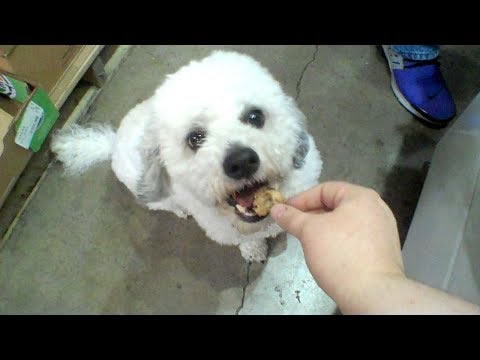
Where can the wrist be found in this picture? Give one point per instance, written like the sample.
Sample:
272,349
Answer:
367,294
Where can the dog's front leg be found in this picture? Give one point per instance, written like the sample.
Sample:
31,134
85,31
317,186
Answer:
169,204
254,250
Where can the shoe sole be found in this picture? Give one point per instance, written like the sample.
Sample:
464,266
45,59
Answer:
404,102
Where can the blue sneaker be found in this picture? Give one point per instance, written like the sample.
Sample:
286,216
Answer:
421,88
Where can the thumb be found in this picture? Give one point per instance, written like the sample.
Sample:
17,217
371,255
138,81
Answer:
289,218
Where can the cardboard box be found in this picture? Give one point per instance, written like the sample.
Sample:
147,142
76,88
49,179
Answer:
42,64
22,131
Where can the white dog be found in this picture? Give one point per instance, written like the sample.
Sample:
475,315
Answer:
212,134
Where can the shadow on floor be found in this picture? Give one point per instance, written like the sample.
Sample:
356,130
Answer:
177,264
461,68
404,181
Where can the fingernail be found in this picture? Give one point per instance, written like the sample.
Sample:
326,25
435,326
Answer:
277,211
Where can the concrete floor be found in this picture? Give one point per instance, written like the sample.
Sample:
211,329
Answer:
84,247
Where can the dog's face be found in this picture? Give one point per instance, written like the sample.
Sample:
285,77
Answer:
224,127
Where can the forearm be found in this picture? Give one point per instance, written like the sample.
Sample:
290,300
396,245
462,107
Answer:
400,295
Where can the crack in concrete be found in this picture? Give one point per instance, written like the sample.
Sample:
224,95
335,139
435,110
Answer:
299,81
244,289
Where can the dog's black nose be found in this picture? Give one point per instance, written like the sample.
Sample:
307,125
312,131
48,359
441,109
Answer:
241,162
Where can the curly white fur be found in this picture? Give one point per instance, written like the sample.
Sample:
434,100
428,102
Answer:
149,152
79,148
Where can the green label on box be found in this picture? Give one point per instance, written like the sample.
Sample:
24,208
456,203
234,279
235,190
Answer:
14,89
36,121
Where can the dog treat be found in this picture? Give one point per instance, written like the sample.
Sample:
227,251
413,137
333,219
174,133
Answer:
264,199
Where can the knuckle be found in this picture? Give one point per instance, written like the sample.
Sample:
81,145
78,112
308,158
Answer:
372,194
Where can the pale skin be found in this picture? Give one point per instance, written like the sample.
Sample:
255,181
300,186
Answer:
352,248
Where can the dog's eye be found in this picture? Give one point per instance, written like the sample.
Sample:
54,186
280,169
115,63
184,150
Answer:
254,117
196,138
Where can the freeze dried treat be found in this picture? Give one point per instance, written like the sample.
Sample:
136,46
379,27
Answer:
264,199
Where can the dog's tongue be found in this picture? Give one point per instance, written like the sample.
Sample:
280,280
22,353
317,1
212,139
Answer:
245,198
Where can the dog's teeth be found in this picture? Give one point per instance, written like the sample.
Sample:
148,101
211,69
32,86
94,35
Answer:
242,209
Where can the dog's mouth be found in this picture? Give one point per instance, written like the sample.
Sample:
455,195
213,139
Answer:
242,201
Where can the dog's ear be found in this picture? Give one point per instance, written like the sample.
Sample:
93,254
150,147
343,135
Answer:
154,183
301,151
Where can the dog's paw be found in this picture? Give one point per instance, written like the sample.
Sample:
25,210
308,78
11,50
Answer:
255,251
181,214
